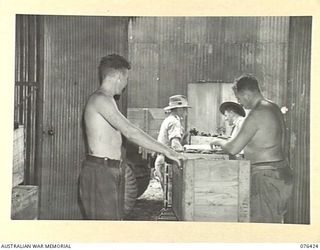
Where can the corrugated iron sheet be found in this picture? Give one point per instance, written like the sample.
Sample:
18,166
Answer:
271,68
73,46
273,29
176,66
144,81
210,49
170,29
298,117
241,29
195,30
26,87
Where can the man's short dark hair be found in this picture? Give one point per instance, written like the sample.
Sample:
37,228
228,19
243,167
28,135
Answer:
111,63
246,82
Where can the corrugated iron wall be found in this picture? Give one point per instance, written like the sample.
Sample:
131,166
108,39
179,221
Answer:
167,53
298,117
218,49
27,86
73,47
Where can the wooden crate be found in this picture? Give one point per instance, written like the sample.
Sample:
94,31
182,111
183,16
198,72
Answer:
24,202
18,156
147,119
201,140
211,189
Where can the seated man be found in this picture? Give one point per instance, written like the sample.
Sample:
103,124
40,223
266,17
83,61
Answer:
234,115
262,136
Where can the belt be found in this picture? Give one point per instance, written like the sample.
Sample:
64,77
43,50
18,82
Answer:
101,160
272,165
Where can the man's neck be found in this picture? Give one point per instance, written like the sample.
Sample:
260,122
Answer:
107,88
256,100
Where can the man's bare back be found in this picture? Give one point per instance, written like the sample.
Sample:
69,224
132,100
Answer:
103,139
266,144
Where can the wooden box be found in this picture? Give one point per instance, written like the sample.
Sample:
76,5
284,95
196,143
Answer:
24,202
201,140
147,119
18,156
209,188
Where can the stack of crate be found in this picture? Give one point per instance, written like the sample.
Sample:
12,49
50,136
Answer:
24,200
147,119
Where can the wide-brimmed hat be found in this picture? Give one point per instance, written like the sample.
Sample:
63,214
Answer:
177,101
233,106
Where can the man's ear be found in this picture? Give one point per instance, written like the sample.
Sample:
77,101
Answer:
118,76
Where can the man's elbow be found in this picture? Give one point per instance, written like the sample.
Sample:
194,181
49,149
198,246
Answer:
230,149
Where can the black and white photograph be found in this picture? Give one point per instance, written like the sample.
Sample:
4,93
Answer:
169,120
162,118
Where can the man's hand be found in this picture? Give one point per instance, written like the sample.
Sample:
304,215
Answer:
185,138
216,142
176,145
177,157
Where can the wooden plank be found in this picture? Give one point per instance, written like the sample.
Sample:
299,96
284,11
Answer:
177,176
216,213
24,202
18,156
204,98
188,187
217,171
216,193
244,191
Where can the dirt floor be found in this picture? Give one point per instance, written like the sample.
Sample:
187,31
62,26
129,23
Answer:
149,206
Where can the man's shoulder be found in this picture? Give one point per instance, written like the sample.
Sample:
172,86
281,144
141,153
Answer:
267,107
171,119
98,98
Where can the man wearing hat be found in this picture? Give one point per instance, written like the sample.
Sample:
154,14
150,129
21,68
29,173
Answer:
172,130
234,115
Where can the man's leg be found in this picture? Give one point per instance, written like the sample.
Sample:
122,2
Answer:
269,196
101,192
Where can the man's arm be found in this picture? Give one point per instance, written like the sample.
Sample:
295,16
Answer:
176,144
174,134
107,108
245,134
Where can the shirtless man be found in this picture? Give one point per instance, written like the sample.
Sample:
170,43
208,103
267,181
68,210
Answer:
262,136
101,181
